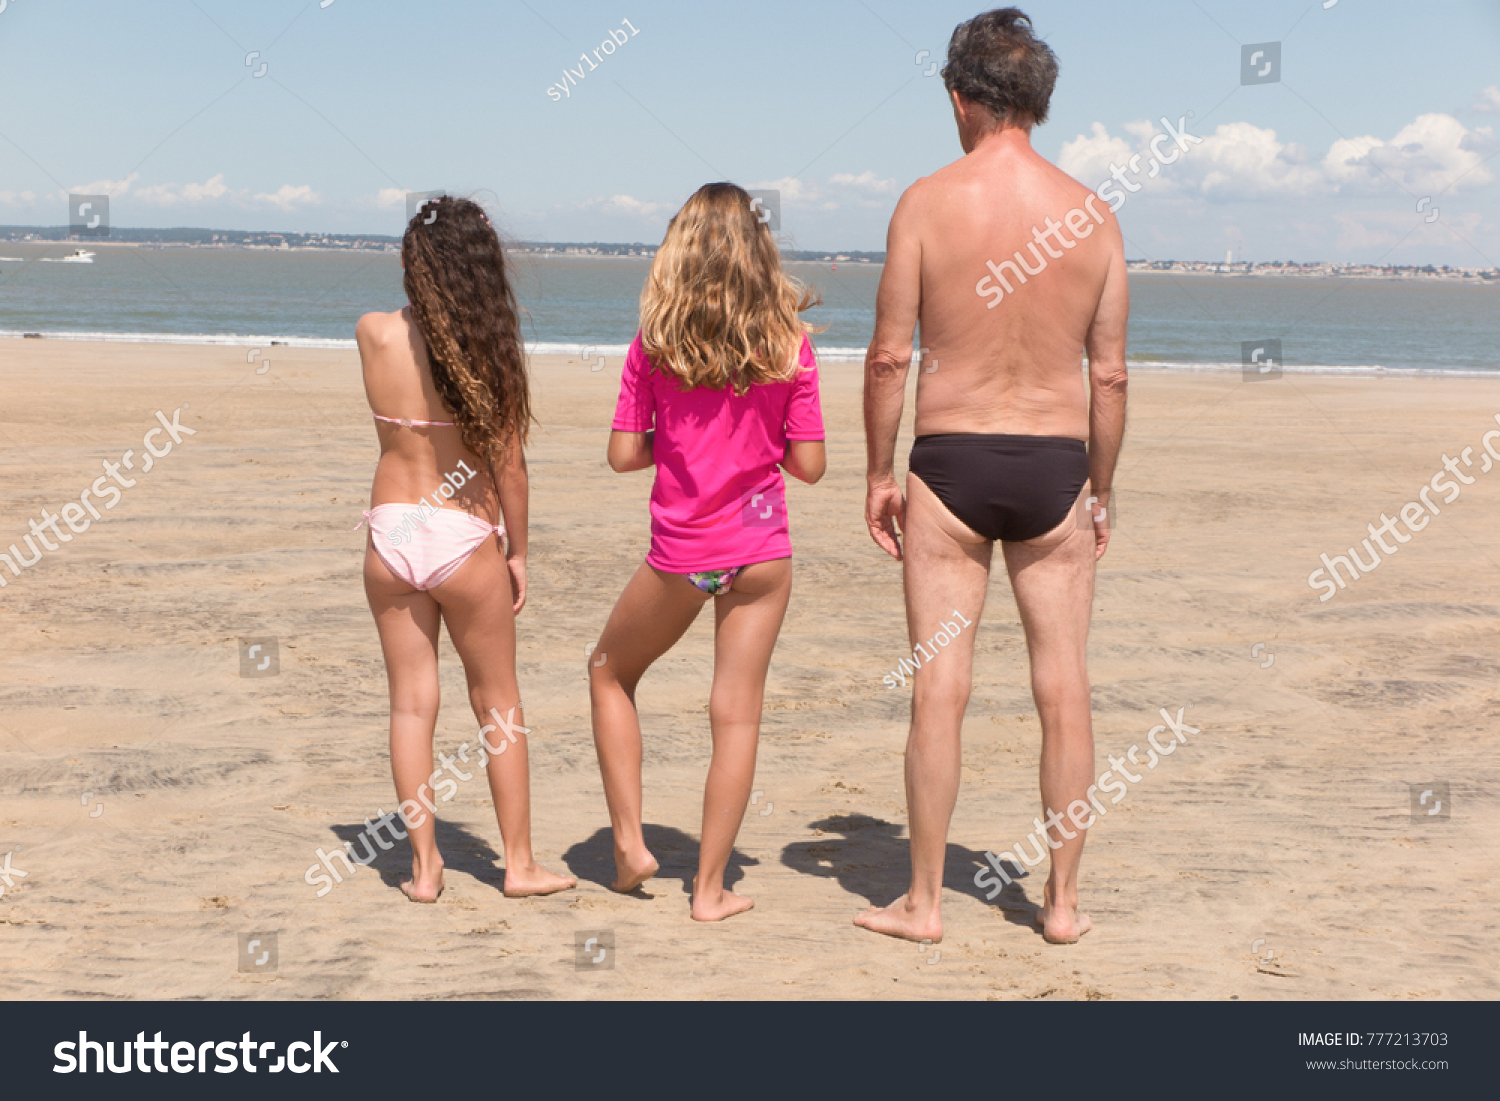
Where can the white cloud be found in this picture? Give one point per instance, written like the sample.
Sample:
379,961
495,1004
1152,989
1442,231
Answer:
866,183
172,194
105,187
1088,156
1393,230
288,197
1431,153
18,198
1488,102
1240,160
793,191
865,189
627,206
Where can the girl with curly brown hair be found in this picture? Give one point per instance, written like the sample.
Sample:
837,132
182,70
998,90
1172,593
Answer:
446,380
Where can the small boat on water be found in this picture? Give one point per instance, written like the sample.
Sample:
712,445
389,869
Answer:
77,256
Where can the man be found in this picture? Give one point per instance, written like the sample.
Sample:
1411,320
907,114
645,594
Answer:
1014,270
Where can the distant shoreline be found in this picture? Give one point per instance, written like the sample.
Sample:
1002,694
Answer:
594,251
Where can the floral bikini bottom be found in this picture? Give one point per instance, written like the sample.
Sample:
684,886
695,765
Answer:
715,582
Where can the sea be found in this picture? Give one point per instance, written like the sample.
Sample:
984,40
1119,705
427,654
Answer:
574,303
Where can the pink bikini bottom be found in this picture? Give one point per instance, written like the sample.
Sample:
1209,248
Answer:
424,546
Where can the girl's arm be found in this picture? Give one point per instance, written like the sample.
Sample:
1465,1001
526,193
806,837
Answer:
805,459
515,490
630,451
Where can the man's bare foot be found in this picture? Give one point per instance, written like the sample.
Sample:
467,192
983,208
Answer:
420,890
902,919
533,879
718,907
631,872
1062,924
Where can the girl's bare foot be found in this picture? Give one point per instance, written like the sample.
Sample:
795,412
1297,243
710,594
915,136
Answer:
904,919
1062,924
718,906
424,886
533,879
632,871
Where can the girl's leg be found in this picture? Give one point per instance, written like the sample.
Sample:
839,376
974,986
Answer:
652,613
408,624
476,604
748,619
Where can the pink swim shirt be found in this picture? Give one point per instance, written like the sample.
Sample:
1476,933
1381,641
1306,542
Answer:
719,500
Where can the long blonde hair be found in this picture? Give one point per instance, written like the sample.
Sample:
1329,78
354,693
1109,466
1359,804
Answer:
717,310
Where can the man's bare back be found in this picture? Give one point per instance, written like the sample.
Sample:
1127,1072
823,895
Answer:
998,361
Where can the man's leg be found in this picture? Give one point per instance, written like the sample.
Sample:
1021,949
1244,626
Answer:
1053,579
947,570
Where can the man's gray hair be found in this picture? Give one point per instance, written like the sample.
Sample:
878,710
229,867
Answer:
997,62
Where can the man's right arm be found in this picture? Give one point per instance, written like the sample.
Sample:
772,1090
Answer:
1107,384
897,305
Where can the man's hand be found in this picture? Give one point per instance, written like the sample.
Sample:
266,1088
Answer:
885,513
517,567
1102,522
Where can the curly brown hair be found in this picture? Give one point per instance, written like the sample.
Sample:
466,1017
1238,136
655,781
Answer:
462,302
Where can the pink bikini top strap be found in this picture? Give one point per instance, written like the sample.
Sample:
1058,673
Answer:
407,422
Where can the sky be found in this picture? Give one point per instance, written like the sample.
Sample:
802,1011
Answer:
1374,141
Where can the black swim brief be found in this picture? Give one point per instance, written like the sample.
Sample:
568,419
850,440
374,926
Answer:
1004,487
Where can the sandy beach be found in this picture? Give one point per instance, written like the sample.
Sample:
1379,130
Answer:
161,805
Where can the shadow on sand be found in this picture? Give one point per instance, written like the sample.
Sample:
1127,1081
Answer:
871,859
462,851
593,860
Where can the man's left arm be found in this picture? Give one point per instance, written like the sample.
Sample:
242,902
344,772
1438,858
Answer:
897,305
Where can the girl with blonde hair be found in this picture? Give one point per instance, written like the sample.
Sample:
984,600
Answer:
720,394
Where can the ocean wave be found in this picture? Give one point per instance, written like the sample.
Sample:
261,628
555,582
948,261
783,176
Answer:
828,354
589,350
231,340
1320,369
